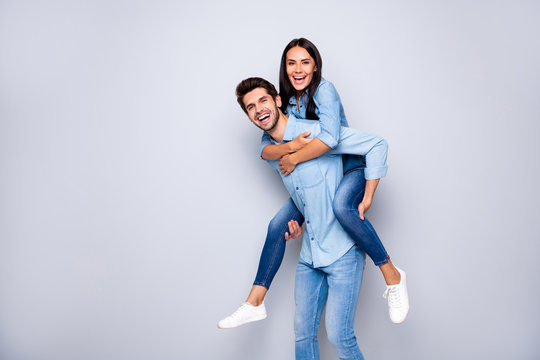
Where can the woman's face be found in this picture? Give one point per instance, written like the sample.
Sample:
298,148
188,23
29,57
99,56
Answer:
300,67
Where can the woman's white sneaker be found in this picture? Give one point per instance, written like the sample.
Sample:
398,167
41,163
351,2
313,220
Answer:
246,313
398,299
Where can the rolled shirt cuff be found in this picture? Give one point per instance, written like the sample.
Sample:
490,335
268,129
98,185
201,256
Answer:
327,139
375,173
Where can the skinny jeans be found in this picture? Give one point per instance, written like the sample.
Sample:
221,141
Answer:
349,194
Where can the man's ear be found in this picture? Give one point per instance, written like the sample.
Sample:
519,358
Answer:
278,101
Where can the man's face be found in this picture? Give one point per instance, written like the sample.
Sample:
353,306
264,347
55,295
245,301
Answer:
261,109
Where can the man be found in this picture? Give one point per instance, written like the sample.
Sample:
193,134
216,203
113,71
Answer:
330,267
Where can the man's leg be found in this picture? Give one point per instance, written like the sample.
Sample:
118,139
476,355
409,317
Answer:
344,281
310,293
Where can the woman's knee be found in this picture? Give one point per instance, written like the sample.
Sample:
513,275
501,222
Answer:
276,226
340,207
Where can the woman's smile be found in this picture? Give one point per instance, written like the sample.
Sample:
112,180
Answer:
300,67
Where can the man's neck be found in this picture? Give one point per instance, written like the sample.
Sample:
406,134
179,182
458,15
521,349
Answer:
278,131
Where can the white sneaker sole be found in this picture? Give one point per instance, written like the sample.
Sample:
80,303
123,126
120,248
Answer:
257,318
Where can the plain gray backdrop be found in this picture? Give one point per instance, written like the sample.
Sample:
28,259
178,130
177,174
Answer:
133,203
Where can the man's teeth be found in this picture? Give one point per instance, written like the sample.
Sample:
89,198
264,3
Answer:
263,117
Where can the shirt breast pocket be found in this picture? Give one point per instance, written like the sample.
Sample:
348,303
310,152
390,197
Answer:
310,174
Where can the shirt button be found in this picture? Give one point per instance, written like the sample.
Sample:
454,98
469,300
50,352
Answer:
308,221
311,239
297,188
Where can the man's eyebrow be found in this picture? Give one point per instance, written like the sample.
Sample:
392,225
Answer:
259,99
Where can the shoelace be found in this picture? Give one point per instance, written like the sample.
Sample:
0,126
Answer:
393,295
239,310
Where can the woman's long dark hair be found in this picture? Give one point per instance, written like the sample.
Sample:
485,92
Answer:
286,90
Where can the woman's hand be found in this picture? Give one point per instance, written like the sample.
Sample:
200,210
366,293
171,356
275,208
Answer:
287,164
294,229
300,141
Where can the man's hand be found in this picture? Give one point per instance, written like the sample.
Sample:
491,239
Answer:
363,207
300,141
287,164
294,229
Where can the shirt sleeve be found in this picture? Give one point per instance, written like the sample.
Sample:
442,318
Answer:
265,140
373,147
328,103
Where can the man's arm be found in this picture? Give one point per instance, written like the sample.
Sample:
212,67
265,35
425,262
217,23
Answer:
373,147
363,207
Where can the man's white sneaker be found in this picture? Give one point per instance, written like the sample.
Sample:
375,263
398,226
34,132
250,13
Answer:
398,299
244,314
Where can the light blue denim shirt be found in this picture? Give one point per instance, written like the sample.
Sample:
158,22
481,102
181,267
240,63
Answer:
313,185
329,109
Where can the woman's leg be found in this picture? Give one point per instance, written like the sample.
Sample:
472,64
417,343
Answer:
348,195
310,293
344,280
272,255
273,250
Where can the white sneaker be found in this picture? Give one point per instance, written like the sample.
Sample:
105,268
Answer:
398,299
246,313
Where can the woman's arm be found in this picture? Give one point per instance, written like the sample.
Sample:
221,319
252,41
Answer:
277,151
328,103
312,150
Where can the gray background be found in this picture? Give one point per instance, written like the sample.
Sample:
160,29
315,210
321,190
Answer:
133,205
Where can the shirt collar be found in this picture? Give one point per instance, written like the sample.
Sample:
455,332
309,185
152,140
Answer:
303,98
288,135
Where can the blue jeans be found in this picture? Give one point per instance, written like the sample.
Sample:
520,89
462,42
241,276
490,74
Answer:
348,195
336,286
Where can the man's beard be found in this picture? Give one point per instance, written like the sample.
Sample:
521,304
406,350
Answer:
275,119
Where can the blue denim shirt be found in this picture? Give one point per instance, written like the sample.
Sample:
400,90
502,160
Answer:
313,184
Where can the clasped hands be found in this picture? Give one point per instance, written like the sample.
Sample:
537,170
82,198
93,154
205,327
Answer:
287,163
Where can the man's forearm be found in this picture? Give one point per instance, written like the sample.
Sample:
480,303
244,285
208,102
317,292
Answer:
371,186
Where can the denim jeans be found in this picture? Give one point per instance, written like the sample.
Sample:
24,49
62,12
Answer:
348,195
336,286
274,246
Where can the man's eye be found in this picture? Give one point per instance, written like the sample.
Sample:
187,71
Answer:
264,100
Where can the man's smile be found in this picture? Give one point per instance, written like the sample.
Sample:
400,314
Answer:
264,117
